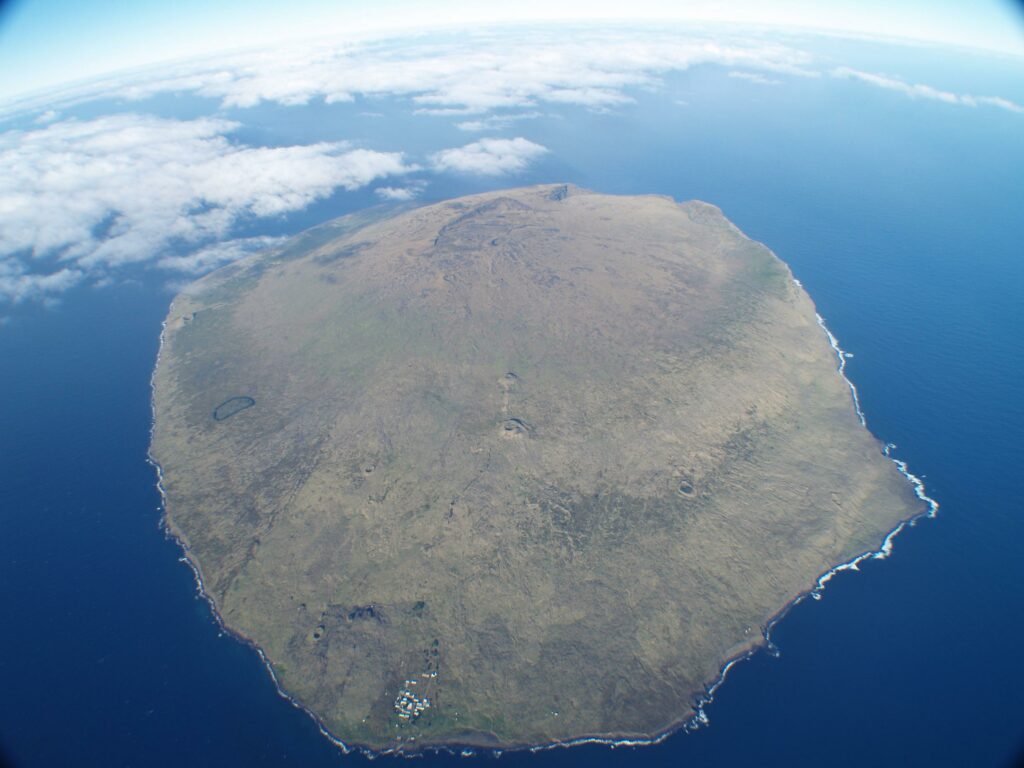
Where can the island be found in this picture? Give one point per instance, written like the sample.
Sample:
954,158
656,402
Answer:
519,469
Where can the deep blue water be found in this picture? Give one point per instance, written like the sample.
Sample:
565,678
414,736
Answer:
903,220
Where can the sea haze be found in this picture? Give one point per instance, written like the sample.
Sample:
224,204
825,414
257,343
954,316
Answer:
901,217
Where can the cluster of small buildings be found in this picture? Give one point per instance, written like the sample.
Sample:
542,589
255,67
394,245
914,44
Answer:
409,704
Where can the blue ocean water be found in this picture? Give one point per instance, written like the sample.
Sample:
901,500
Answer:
903,220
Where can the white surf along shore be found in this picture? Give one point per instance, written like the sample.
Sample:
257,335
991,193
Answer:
698,719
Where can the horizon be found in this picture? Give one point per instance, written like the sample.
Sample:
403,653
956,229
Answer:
98,40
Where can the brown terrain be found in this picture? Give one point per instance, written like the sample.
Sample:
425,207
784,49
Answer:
512,469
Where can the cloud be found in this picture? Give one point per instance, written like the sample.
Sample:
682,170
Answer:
473,72
490,157
921,91
127,188
78,198
495,122
217,254
400,194
999,101
16,285
754,77
473,125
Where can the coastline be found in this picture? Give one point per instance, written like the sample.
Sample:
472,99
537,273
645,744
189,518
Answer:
172,533
689,723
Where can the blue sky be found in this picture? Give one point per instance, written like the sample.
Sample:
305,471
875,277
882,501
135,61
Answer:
48,42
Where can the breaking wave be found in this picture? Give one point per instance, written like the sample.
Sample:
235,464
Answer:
699,719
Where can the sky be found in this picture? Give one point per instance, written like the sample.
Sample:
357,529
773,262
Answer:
45,43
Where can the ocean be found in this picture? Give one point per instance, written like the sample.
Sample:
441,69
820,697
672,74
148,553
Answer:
903,219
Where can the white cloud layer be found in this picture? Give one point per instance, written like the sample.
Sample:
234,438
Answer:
754,77
400,194
78,198
496,122
920,91
488,157
127,188
17,285
463,74
217,254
